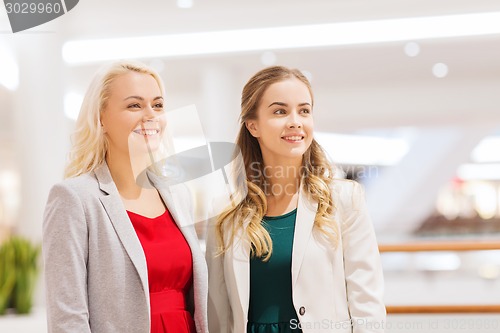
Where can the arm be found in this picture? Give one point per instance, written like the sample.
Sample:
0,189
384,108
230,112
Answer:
363,269
219,309
65,254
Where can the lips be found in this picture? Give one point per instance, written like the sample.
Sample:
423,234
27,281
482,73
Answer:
294,138
147,132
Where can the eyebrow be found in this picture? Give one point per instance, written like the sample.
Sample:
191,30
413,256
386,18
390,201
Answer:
141,99
284,104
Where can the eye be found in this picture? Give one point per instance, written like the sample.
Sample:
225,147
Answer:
134,106
280,111
305,110
158,106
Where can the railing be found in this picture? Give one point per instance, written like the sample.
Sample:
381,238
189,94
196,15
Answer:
441,246
415,309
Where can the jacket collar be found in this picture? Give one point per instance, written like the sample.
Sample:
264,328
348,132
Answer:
121,222
304,223
173,199
240,256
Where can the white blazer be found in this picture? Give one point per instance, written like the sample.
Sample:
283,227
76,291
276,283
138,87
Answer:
334,289
95,269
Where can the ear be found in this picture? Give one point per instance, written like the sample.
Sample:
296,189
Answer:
103,128
252,128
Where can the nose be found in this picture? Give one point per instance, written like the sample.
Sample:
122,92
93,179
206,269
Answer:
294,120
149,114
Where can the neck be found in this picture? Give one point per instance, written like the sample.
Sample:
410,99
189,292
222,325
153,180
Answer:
283,177
125,171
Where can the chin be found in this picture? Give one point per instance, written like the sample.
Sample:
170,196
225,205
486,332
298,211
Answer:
298,152
143,148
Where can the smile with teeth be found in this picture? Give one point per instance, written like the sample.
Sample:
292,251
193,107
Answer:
294,138
146,132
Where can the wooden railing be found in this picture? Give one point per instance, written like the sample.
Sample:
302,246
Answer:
417,309
441,246
443,309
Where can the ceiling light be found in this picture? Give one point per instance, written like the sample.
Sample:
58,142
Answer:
412,49
184,3
479,171
301,36
440,70
362,150
487,151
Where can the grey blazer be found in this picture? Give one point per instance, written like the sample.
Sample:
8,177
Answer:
95,269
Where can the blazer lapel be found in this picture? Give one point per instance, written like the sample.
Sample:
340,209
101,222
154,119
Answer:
176,200
118,215
306,213
179,209
240,259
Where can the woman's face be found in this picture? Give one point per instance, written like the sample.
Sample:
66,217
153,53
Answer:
133,119
284,124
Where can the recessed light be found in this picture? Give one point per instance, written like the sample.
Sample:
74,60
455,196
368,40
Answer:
184,3
412,49
440,70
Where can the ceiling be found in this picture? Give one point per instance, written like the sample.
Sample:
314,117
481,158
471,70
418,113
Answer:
359,86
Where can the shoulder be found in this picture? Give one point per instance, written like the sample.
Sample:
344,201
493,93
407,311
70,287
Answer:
73,199
83,182
347,194
81,186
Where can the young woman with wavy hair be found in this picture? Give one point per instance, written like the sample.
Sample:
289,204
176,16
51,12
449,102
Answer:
298,253
120,250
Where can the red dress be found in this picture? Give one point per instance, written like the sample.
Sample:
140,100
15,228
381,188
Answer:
170,272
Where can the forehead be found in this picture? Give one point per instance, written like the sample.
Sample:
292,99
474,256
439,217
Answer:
134,84
291,90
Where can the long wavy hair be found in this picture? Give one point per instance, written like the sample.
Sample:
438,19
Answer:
89,144
316,175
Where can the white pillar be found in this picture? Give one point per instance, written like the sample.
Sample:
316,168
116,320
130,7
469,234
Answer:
40,128
41,133
221,104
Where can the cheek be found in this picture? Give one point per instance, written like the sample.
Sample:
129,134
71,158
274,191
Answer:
273,125
119,128
271,131
163,123
309,124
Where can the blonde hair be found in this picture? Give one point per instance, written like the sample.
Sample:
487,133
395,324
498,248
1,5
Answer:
316,174
89,144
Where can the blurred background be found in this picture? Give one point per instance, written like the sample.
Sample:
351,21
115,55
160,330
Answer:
407,102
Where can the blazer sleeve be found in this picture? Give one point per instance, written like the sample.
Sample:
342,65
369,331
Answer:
65,254
363,269
219,309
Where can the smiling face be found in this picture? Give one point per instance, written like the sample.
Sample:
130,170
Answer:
133,118
284,124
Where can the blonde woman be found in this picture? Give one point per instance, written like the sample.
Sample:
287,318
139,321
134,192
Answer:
299,253
119,255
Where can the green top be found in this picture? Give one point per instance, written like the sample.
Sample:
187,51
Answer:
271,307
